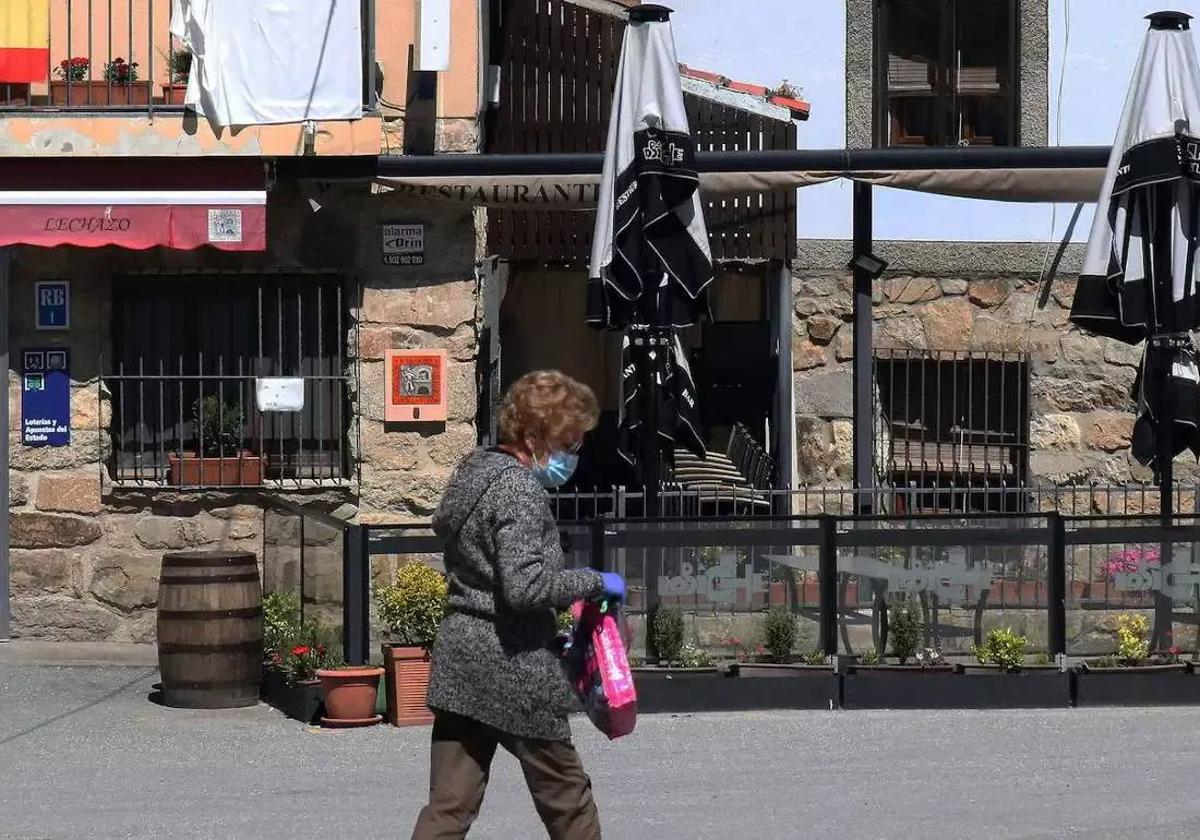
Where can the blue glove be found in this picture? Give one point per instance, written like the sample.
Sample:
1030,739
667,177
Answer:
614,586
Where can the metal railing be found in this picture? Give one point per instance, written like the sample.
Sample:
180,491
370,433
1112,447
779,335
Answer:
120,55
1132,498
843,573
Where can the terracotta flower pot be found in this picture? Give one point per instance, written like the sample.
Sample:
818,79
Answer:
350,695
407,681
174,94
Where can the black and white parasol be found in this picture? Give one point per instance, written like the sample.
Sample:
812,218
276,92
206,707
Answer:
651,263
1139,281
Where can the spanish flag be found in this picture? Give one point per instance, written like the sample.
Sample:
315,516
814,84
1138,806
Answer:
24,40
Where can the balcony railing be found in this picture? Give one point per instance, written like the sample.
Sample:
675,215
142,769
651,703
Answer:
119,55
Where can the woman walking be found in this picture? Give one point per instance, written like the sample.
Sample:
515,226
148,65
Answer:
497,678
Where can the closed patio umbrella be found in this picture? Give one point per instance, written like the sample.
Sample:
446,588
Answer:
1139,278
1139,281
651,264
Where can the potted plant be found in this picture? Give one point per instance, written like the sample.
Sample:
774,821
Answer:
294,651
684,678
1004,678
1135,675
219,459
350,693
179,64
917,678
410,608
777,678
121,85
70,85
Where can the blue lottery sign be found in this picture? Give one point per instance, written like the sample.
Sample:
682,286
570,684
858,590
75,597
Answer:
46,397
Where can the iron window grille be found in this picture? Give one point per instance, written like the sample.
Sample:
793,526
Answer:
955,427
946,73
188,352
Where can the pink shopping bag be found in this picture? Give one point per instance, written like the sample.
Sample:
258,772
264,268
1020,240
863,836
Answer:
599,670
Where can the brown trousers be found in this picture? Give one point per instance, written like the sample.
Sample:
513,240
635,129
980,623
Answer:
461,760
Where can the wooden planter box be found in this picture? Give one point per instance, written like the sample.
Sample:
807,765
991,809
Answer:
683,690
771,686
98,94
406,677
190,470
299,701
955,687
675,689
1152,685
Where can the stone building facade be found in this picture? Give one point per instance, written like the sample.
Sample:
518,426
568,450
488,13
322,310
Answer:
1080,412
86,551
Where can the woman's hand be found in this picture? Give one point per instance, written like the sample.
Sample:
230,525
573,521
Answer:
613,586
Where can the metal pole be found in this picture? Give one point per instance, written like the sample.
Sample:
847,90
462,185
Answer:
1163,606
334,167
864,426
651,455
5,604
356,595
597,547
1056,586
827,584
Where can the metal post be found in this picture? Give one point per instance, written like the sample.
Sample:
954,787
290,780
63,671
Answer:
1056,586
5,604
827,578
864,426
651,455
1165,461
785,392
597,548
356,595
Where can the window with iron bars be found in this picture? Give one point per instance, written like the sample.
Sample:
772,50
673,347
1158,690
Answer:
189,355
955,428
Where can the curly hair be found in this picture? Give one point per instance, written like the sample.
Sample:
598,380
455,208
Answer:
548,409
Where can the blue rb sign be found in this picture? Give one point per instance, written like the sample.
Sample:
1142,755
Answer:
53,300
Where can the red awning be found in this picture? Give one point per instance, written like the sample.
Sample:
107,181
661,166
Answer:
137,204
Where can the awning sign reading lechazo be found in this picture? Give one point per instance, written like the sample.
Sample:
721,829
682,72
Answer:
222,205
230,221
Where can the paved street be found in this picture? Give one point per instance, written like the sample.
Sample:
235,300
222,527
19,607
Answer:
84,754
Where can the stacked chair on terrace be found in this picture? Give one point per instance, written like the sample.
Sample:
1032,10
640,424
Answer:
736,482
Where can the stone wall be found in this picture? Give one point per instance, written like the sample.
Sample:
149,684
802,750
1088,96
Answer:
86,554
1081,412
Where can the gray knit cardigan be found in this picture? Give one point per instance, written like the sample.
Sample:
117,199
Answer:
495,660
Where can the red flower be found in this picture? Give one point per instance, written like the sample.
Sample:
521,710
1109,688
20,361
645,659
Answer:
300,650
1174,650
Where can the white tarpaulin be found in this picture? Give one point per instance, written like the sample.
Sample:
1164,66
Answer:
261,62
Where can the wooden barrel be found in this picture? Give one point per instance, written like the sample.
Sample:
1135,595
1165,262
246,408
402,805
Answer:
210,641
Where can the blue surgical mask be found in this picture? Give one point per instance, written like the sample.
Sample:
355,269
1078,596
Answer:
557,470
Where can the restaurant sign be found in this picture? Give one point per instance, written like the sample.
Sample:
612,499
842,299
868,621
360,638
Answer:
46,397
